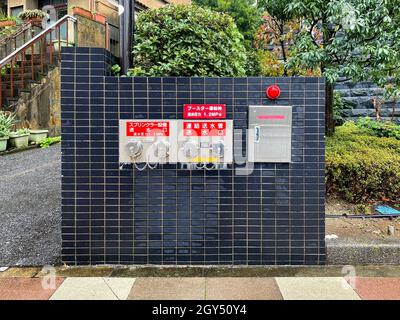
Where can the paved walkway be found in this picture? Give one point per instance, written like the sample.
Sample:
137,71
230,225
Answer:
30,200
199,288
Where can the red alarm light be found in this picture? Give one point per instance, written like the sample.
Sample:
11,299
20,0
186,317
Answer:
273,92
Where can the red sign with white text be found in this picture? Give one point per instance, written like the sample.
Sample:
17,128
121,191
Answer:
204,111
147,129
208,129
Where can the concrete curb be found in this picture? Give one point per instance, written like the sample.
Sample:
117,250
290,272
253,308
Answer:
350,252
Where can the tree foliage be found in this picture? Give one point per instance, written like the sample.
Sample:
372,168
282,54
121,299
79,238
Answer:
179,40
248,17
358,40
246,13
348,40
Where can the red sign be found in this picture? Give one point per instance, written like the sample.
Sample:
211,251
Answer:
147,128
209,129
204,111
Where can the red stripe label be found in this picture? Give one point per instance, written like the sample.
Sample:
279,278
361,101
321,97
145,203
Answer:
271,117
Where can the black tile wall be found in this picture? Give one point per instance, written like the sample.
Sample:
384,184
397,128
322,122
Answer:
274,216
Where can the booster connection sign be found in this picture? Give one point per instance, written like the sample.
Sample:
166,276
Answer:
204,111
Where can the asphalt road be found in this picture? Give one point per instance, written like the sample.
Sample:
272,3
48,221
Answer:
30,201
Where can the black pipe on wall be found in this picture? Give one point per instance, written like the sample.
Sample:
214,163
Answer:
126,25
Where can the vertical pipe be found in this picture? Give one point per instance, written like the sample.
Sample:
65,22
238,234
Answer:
126,20
107,36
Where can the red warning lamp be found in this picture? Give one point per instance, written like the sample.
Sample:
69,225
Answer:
273,92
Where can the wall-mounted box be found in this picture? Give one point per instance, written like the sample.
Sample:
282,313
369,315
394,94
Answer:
270,134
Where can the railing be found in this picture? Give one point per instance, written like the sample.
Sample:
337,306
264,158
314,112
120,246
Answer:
10,42
18,66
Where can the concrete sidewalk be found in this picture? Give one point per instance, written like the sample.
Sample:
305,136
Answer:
199,288
201,283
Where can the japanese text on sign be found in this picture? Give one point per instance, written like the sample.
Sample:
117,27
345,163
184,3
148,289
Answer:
204,111
209,129
147,129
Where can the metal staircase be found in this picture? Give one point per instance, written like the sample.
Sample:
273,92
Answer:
27,64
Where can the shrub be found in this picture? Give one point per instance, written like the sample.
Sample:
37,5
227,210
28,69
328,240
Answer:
178,40
338,106
380,128
6,122
30,14
5,17
50,141
362,167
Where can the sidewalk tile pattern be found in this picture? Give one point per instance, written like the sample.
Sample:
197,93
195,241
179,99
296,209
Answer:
168,289
376,288
174,288
172,216
94,289
333,288
242,289
28,288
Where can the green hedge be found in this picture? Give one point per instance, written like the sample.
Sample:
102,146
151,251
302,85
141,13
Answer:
379,128
362,167
178,40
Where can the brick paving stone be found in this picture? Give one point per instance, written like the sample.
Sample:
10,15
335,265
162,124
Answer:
168,289
376,288
28,288
242,289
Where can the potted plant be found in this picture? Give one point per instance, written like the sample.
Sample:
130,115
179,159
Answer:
82,12
6,21
19,138
37,136
33,16
6,121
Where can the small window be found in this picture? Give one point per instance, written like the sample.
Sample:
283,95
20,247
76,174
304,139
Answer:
15,11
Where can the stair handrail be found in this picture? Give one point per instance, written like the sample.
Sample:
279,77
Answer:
39,36
20,29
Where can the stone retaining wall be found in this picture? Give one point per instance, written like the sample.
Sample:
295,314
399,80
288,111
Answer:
358,101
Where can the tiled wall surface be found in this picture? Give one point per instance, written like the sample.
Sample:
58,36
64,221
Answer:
172,216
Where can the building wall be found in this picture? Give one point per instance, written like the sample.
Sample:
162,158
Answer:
170,215
27,4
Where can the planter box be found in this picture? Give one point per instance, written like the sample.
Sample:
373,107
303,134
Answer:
21,141
99,18
37,136
3,144
7,23
36,21
82,12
